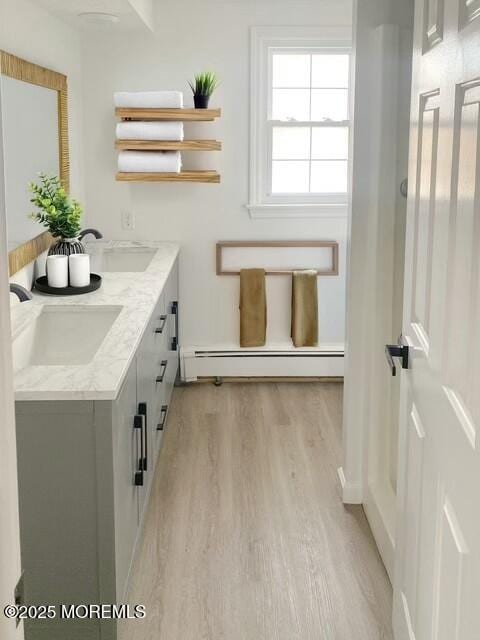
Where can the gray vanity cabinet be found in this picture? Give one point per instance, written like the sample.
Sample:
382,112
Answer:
85,472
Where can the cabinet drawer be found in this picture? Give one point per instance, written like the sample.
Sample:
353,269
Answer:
171,304
159,327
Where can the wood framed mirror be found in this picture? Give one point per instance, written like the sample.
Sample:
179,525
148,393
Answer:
35,139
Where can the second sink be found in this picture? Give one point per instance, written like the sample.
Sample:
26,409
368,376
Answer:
125,260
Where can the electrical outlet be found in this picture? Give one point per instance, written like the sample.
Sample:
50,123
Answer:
128,220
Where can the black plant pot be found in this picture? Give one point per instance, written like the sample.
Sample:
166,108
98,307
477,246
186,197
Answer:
201,102
66,247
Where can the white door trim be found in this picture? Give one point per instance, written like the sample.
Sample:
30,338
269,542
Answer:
375,226
373,196
9,527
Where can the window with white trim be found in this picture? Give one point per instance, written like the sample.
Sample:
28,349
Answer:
300,124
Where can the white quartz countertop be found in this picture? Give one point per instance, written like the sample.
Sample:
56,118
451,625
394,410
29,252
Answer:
102,378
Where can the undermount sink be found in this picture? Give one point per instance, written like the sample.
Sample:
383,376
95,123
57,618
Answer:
64,335
127,260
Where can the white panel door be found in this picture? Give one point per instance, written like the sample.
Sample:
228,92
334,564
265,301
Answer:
437,570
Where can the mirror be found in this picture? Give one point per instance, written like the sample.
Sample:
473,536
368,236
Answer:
35,139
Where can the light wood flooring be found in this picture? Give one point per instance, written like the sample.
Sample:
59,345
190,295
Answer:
246,537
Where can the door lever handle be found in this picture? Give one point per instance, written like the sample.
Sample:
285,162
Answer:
401,351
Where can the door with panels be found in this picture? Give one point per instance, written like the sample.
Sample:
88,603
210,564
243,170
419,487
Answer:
437,573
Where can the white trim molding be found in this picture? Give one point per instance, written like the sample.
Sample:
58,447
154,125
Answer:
263,40
351,491
10,560
298,211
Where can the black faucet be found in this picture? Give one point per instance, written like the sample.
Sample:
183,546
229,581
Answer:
93,232
22,293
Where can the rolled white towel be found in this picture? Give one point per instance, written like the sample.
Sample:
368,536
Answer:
148,99
149,162
150,131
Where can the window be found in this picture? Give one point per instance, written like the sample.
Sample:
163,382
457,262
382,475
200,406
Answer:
300,124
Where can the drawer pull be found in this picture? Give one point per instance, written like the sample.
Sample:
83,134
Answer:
163,320
164,366
174,344
163,416
138,422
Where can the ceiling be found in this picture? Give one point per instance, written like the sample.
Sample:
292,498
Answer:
69,10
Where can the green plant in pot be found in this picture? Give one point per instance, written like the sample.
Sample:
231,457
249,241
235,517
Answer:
59,213
203,87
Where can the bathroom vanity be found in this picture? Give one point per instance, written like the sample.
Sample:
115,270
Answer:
93,379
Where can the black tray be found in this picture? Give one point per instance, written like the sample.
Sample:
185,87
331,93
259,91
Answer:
41,284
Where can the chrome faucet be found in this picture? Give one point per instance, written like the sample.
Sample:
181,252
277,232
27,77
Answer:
93,232
22,293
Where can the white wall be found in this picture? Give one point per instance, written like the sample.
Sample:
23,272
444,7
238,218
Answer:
31,33
190,37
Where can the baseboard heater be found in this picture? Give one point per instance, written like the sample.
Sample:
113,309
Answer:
201,362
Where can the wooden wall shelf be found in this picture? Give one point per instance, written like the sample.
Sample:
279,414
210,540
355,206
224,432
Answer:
172,115
184,176
168,145
169,115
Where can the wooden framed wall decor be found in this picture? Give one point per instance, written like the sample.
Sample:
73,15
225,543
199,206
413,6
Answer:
278,258
19,69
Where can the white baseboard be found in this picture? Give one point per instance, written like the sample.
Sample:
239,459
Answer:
380,511
273,361
351,492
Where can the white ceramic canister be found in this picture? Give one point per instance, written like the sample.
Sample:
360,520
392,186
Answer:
57,271
79,264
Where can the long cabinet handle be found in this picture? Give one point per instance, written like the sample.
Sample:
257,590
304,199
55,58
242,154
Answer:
164,365
174,343
142,410
163,417
138,422
163,320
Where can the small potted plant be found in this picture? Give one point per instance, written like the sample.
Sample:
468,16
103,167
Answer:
59,213
203,87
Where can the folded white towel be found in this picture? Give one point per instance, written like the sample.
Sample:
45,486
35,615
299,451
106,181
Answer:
149,161
150,131
148,99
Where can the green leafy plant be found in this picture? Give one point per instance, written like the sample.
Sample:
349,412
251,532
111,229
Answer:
204,84
56,210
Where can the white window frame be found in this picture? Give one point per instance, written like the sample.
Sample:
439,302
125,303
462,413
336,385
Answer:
264,42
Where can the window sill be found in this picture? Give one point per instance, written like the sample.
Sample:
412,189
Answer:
298,210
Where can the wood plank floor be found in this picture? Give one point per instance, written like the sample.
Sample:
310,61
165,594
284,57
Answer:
246,537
